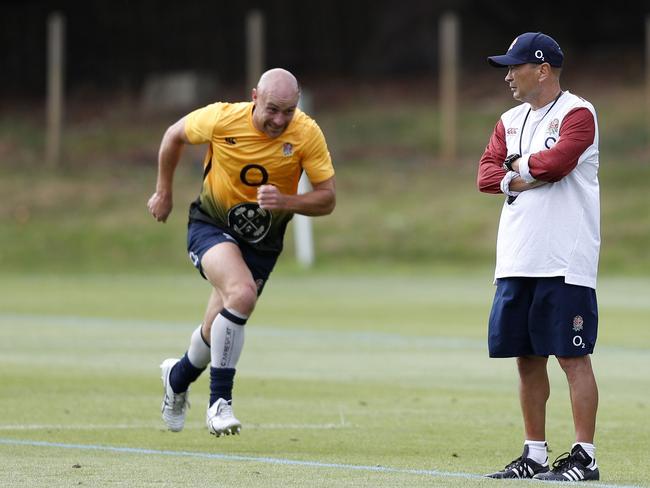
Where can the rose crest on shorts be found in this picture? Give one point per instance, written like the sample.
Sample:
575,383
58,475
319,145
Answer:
577,323
249,221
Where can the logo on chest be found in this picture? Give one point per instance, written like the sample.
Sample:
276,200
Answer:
552,133
553,128
287,149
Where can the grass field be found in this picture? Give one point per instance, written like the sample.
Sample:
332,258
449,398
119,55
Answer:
346,380
369,370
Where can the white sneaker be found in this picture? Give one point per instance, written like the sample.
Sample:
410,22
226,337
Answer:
221,420
174,405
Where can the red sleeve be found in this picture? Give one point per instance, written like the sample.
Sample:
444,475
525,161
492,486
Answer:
577,133
490,169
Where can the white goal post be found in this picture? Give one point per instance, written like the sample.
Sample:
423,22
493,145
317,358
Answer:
302,227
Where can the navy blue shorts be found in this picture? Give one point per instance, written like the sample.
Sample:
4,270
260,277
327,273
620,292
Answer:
202,236
542,317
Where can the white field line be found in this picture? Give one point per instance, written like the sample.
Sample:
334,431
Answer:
267,460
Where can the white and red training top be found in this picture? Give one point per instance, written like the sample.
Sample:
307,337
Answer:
554,229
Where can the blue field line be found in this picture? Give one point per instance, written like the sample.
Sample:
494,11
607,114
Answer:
266,460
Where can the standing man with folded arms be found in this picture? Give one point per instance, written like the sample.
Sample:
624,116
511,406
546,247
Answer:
543,157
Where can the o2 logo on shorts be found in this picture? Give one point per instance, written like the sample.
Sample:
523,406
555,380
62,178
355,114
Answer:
578,342
577,326
249,221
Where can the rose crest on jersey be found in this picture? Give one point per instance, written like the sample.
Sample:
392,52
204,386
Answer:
287,149
552,132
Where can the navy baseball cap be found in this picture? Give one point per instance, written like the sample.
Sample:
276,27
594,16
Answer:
531,47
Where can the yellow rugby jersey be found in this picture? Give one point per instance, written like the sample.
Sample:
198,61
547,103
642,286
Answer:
240,158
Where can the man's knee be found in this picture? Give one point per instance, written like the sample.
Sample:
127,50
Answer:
575,365
241,296
531,365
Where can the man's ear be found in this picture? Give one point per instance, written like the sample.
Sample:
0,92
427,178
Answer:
544,71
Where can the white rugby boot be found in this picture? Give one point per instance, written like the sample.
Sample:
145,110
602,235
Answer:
174,405
221,420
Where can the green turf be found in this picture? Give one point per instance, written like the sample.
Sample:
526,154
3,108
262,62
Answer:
398,202
360,371
376,359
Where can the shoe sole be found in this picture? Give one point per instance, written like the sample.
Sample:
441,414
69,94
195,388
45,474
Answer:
562,479
234,430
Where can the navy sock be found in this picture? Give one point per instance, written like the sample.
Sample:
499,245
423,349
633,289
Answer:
221,383
182,374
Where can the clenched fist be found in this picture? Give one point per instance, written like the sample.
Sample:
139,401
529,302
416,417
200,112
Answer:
270,198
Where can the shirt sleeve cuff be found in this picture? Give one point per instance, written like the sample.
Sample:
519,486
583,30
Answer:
505,184
524,170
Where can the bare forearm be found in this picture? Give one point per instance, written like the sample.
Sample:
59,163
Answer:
520,185
313,203
160,204
168,157
320,201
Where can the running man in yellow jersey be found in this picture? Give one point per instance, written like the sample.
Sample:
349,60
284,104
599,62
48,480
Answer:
256,153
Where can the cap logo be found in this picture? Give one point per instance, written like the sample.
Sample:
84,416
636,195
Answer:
513,43
539,54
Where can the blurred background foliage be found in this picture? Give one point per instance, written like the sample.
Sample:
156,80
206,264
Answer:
370,69
117,44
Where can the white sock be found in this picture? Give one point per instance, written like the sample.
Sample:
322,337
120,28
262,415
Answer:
589,449
199,352
227,338
537,451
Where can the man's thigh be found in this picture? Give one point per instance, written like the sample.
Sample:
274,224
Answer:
563,318
224,267
542,317
226,256
508,324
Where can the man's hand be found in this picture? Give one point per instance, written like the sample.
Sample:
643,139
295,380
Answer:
270,198
520,185
160,206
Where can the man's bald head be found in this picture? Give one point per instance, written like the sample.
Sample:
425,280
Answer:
275,101
279,82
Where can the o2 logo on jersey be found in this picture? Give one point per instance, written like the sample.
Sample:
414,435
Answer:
254,175
249,221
